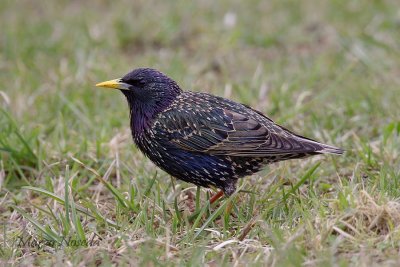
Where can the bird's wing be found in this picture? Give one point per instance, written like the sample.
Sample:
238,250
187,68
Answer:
223,131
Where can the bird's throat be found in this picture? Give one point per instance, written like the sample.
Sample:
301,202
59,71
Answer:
141,117
143,114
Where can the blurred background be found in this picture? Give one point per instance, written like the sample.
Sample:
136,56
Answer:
329,70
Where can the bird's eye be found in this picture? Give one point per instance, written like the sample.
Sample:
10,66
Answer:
139,82
136,82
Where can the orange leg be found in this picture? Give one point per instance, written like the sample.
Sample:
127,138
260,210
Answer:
216,197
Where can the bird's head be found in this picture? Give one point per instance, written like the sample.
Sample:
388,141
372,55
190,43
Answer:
145,88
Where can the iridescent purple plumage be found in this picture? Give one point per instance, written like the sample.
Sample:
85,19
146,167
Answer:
205,139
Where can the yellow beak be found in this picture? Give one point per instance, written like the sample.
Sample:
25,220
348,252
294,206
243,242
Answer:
114,84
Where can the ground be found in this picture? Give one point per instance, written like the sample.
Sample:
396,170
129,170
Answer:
75,190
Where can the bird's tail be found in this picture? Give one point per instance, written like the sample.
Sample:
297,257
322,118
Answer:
327,149
321,148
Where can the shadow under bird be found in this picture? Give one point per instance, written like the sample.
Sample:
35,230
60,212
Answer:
205,139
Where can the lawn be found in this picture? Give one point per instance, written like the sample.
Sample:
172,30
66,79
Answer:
75,190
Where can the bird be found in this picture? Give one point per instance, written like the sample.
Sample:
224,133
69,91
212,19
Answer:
204,139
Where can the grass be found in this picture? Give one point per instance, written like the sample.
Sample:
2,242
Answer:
75,190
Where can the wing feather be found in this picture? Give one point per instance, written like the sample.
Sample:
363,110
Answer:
233,132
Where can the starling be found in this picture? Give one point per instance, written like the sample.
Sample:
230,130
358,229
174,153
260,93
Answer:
205,139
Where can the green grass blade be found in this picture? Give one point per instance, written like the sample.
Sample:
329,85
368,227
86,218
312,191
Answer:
19,135
61,201
46,231
301,181
216,213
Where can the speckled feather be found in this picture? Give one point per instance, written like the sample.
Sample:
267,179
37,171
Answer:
205,139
